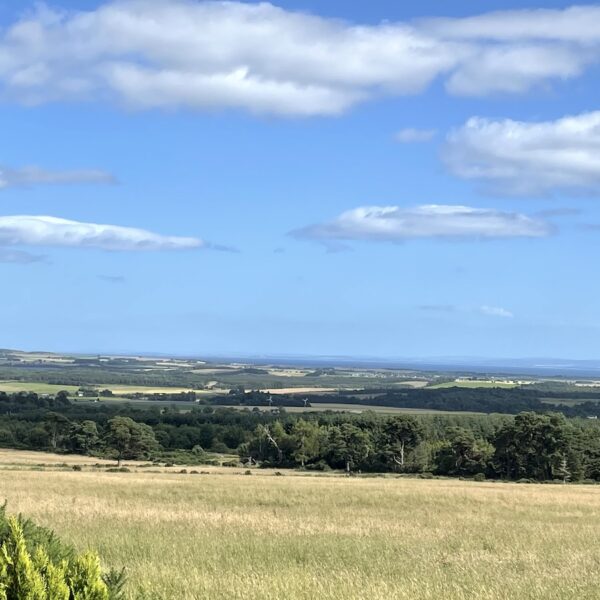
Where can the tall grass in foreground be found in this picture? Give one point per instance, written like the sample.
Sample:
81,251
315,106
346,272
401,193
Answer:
229,536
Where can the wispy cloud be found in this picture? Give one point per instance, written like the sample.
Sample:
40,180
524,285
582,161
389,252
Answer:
488,311
496,311
20,257
27,230
221,248
528,158
409,135
394,223
259,57
29,176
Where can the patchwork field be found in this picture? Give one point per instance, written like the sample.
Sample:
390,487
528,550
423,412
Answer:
225,535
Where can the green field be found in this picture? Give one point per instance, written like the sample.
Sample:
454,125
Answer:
229,536
473,384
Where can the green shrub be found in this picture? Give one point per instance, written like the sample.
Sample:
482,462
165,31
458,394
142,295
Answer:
37,565
479,477
318,466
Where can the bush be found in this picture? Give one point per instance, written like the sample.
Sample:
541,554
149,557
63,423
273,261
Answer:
118,470
318,466
76,467
220,448
36,565
479,477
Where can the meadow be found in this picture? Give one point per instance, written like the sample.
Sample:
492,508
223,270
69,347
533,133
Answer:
476,383
224,535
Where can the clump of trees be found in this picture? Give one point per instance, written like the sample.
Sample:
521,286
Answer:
126,439
531,445
540,447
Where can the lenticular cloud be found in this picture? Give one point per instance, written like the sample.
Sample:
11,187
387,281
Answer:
24,230
393,223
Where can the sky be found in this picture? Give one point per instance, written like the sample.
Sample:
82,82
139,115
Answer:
370,179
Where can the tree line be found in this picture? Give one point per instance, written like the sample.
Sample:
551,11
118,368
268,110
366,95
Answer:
536,446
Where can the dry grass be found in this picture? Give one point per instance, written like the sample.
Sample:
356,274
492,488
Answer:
32,458
229,536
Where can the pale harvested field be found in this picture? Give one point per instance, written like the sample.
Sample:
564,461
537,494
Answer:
414,384
261,537
120,390
289,372
38,388
300,390
355,409
31,458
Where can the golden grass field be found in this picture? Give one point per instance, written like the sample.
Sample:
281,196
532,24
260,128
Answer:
228,536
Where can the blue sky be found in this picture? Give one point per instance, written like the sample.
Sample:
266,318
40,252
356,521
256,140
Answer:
355,179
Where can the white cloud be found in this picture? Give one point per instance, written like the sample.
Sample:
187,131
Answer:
524,158
515,69
393,223
52,231
410,135
496,311
27,176
576,24
256,56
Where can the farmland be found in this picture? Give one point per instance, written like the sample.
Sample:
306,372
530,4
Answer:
226,535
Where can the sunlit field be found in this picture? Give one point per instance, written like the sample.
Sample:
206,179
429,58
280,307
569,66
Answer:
224,535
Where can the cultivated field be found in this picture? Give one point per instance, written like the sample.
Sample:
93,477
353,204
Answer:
356,409
475,383
38,388
226,536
